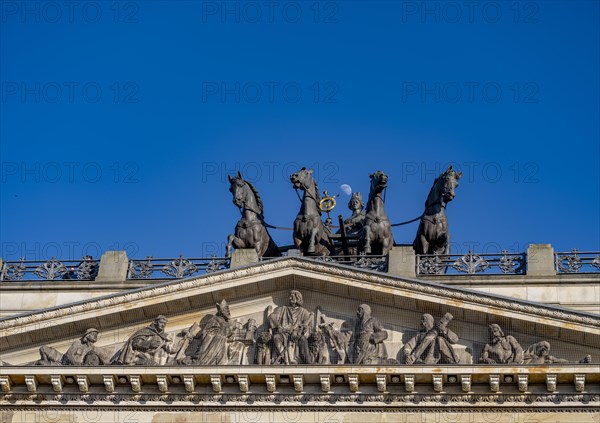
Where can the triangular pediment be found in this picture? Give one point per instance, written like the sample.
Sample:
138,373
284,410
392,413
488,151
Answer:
332,290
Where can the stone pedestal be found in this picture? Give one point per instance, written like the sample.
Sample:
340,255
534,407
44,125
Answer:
540,260
243,257
402,261
113,266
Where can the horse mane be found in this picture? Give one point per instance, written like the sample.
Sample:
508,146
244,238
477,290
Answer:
317,195
433,194
317,192
259,202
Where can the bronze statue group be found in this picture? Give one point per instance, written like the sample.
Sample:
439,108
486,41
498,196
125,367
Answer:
369,230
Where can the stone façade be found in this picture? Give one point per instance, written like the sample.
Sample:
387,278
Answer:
337,291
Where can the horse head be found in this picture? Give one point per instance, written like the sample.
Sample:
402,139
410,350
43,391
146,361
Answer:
443,187
378,183
244,194
302,179
449,182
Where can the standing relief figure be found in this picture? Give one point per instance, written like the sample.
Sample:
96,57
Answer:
369,335
219,341
433,344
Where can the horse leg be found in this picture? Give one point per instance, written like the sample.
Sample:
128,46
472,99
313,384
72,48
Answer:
312,241
229,244
298,242
324,246
260,244
387,245
367,240
447,243
424,245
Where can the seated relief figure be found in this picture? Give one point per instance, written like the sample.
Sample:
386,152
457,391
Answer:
219,341
502,349
369,335
539,353
81,352
291,327
149,346
433,344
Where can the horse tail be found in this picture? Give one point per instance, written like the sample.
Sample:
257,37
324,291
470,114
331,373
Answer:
417,244
272,248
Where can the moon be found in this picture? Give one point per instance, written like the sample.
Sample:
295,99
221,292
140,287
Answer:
346,189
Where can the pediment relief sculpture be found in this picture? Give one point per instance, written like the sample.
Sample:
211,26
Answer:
81,352
291,334
433,345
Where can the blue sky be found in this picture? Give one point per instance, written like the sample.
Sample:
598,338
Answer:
120,121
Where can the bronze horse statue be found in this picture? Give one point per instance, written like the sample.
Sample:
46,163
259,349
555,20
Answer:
433,236
310,235
376,234
251,230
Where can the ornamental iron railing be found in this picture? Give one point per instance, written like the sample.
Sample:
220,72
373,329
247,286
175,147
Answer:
372,262
50,270
577,262
168,268
471,263
503,263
